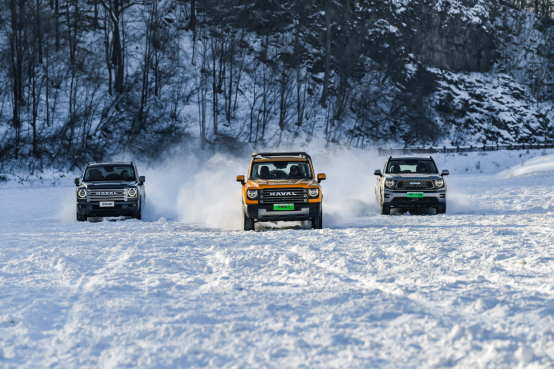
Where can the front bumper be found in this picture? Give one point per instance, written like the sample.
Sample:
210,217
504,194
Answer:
399,199
120,208
265,212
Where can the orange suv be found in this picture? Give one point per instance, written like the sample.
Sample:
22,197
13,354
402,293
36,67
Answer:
282,187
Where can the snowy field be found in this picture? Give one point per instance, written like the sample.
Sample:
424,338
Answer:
472,288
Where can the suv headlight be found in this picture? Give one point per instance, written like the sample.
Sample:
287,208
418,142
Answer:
82,193
252,194
439,183
132,193
389,183
314,193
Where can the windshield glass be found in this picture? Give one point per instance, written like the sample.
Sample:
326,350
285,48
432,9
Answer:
280,170
109,173
411,166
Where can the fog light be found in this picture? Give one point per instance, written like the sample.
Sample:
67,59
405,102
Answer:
442,195
387,195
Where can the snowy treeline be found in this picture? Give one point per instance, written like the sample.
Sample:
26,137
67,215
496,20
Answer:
87,80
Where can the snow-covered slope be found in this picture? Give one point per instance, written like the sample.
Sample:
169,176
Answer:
538,166
400,71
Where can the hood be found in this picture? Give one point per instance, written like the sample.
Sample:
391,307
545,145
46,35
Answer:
413,177
284,182
108,184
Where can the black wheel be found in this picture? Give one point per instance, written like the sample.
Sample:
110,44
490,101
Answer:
385,210
441,210
81,218
317,222
138,214
248,223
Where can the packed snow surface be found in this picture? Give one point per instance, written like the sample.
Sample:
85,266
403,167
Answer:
472,288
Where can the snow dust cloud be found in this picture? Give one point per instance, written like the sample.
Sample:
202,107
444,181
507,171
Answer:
202,190
66,211
349,191
196,190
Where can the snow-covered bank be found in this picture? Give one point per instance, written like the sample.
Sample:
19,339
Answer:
489,162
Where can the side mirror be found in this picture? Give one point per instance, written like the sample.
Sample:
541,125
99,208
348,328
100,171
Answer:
445,173
240,178
321,177
77,181
378,173
142,179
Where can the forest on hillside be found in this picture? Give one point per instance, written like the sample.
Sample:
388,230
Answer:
90,80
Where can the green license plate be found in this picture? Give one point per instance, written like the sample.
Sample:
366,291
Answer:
283,207
416,195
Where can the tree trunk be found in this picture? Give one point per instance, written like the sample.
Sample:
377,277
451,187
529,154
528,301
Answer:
117,58
34,110
16,38
229,102
192,25
39,32
57,23
214,86
47,79
325,93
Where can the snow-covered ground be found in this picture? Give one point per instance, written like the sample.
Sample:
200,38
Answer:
472,288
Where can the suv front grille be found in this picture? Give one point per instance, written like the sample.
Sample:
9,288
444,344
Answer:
414,184
283,196
106,195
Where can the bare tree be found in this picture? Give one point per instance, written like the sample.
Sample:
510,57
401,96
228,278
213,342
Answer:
115,10
325,92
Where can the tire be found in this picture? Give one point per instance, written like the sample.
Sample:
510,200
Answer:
248,223
385,210
441,210
81,218
138,215
317,222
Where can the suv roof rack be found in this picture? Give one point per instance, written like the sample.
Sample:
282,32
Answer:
107,162
410,156
281,154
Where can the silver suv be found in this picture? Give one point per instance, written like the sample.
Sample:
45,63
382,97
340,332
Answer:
410,183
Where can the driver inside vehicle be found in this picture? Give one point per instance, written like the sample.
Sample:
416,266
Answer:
421,168
295,172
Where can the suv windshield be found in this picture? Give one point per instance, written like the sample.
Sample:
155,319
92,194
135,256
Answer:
281,170
109,173
411,166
